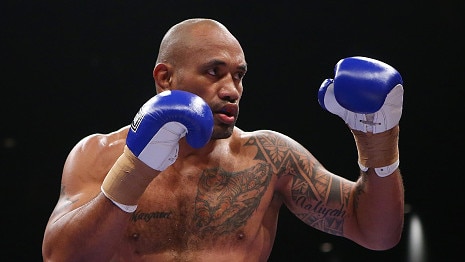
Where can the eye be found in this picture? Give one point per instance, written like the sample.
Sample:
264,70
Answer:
212,71
239,75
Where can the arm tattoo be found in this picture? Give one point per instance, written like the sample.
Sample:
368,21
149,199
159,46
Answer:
318,199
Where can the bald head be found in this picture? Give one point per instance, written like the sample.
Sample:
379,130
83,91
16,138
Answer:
190,36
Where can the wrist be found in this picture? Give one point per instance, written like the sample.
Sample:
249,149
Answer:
379,151
127,180
382,171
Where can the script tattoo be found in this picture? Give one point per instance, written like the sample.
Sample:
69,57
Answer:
322,199
226,200
139,215
315,193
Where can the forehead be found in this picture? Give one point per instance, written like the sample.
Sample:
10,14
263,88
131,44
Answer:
206,44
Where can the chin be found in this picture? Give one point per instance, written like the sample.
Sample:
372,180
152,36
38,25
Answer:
222,132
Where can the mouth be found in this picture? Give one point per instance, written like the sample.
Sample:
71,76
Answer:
228,114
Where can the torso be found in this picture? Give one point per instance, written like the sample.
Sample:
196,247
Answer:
214,208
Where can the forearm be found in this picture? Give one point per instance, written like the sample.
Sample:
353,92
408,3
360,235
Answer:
379,209
91,232
368,95
379,195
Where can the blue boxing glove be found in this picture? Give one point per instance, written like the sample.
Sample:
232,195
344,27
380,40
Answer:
162,121
366,93
152,143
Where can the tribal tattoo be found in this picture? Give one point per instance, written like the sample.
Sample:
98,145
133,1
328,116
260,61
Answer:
322,200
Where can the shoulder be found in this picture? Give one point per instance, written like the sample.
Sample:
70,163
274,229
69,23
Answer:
85,168
269,137
95,154
99,141
94,144
277,146
274,146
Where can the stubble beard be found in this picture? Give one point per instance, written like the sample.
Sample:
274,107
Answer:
222,132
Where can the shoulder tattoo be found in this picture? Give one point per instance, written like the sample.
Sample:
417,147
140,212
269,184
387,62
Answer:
318,199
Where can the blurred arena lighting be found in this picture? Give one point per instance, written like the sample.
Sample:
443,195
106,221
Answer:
416,243
326,247
9,142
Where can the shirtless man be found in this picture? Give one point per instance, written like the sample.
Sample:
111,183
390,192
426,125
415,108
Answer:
183,183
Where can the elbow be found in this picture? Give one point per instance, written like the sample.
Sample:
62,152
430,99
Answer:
46,249
56,252
380,239
49,253
383,236
52,250
46,253
386,241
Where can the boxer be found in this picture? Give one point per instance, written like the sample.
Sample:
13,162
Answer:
183,183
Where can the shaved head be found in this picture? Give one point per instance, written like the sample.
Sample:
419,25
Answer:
191,36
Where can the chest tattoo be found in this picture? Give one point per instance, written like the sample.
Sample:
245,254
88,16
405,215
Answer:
226,200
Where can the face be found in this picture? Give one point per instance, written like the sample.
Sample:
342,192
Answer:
214,70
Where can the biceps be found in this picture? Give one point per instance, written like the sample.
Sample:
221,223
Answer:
319,198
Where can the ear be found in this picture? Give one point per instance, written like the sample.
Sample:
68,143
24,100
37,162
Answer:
162,74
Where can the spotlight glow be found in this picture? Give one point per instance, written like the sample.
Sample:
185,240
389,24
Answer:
416,250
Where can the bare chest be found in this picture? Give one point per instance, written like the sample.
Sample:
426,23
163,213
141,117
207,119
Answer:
200,209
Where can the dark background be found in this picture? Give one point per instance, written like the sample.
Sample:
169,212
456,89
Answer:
73,68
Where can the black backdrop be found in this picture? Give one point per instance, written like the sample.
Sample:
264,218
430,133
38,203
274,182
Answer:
73,68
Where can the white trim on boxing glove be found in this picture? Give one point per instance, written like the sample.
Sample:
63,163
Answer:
162,150
384,119
382,171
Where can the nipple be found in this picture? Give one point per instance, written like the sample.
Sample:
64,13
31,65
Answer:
135,236
240,236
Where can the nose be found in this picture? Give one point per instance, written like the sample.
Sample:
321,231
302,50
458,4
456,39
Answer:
230,90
